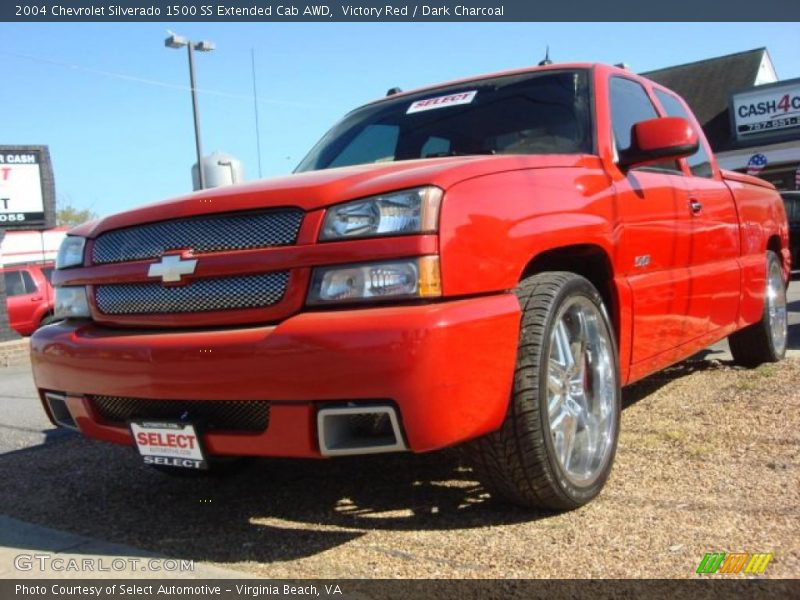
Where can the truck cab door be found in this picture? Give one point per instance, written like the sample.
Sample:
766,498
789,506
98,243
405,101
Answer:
715,244
715,247
654,238
654,249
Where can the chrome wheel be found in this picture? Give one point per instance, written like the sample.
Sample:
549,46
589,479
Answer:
557,442
581,391
776,307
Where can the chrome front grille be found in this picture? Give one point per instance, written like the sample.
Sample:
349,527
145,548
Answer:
212,233
211,415
202,295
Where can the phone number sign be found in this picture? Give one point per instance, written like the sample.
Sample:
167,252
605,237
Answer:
767,109
25,188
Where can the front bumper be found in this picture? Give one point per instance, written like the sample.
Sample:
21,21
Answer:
447,367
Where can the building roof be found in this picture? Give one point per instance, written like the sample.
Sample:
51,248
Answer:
706,86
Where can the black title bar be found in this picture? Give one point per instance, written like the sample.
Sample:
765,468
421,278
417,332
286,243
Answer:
394,10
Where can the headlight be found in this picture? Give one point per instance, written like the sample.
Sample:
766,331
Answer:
407,211
70,253
396,280
71,302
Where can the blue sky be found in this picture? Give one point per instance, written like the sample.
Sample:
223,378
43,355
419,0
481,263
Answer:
114,107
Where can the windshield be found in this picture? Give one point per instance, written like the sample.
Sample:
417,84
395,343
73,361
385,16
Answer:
533,113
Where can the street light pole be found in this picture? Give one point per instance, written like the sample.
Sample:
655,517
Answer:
177,41
197,141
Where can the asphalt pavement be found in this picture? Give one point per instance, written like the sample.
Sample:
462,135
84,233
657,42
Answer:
720,350
24,428
23,423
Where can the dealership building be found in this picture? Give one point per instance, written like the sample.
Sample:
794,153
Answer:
750,117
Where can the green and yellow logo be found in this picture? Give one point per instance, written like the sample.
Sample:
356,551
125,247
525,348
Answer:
740,562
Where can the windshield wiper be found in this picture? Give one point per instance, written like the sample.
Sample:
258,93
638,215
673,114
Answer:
459,153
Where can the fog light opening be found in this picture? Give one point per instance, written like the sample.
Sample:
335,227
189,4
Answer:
350,430
57,404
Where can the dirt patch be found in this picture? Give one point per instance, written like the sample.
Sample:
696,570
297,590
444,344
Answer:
15,353
708,461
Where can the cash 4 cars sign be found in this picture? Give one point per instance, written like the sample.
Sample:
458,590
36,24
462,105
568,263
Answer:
27,195
767,109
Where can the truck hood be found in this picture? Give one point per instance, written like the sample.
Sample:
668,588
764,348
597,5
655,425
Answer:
318,189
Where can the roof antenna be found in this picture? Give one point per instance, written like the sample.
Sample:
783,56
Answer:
393,91
546,61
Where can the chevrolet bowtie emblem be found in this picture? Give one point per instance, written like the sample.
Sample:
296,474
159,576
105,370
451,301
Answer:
172,268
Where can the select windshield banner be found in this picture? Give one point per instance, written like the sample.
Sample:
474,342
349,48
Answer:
399,10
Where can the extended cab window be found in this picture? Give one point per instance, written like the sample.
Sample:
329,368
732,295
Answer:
699,163
532,113
629,105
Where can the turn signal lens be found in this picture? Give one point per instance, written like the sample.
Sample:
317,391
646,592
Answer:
430,277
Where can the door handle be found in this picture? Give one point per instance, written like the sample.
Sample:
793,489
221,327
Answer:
696,206
36,299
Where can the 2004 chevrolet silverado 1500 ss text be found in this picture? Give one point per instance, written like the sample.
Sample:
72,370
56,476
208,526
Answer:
486,261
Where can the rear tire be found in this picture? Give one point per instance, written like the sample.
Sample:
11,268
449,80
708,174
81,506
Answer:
556,446
765,341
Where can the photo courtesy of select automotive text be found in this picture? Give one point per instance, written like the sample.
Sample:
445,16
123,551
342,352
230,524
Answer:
487,299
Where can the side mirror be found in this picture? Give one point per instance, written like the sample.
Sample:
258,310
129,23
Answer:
657,140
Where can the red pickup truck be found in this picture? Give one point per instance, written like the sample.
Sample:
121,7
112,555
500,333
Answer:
484,262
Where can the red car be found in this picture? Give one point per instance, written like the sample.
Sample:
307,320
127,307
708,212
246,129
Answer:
29,296
486,262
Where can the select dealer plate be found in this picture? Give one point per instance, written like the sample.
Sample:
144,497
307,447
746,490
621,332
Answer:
169,444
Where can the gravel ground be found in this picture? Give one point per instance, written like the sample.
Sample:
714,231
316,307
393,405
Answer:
708,461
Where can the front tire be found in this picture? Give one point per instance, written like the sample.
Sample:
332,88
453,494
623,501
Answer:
765,341
556,446
48,319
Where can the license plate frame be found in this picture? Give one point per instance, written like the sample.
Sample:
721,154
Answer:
169,443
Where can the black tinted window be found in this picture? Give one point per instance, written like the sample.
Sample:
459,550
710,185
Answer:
15,286
629,105
48,273
27,281
699,163
373,144
19,283
533,113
